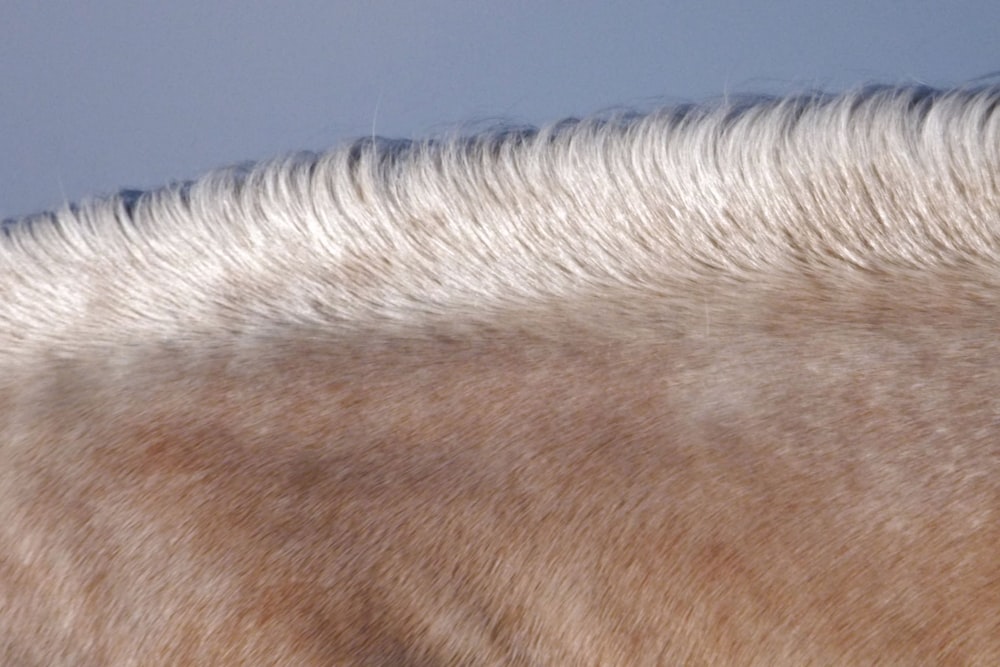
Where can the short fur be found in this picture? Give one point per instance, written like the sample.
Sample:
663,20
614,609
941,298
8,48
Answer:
716,385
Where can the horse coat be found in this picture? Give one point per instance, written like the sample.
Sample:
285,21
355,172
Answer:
715,385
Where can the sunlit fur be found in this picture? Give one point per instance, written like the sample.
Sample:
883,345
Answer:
714,385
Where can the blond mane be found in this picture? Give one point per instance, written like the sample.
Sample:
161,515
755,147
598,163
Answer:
398,234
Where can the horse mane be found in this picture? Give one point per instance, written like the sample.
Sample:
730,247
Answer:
441,234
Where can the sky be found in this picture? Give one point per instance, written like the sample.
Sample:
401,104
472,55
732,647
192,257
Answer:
97,96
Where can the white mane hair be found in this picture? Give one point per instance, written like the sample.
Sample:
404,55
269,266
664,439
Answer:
443,235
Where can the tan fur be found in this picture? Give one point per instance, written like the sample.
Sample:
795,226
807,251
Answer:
564,398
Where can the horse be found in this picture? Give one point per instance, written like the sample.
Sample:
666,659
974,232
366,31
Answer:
714,384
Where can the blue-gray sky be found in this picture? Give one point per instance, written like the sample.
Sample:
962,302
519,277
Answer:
98,96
